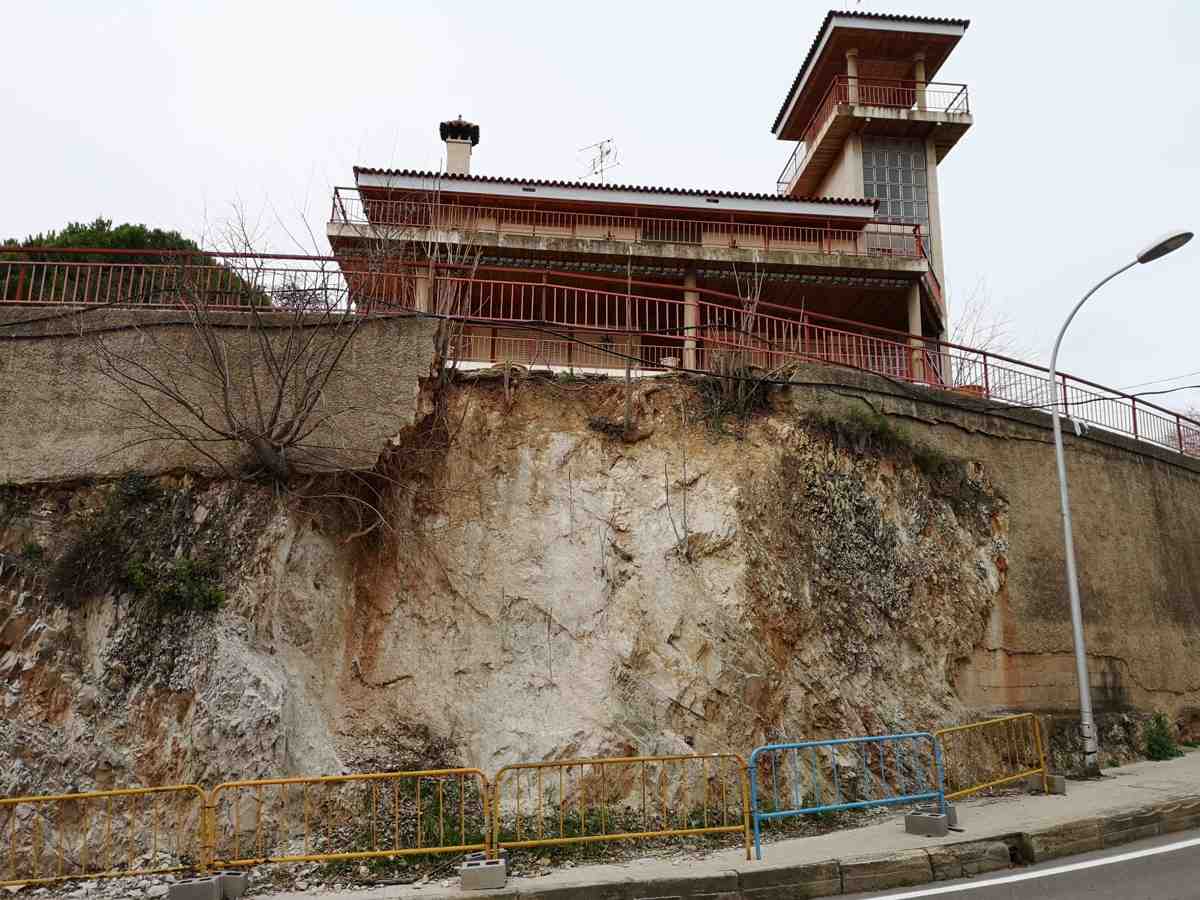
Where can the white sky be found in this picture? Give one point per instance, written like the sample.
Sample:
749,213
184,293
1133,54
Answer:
1086,143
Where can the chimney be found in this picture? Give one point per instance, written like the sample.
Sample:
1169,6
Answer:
460,136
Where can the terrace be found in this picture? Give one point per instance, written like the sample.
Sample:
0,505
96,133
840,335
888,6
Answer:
894,108
399,214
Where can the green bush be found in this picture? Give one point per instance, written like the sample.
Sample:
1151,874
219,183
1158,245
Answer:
131,545
1160,738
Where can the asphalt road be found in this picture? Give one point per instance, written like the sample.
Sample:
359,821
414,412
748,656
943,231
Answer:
1162,868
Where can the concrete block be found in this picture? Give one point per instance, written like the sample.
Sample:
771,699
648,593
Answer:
791,881
482,874
962,860
927,824
720,886
207,888
233,884
951,813
1180,815
902,868
1081,836
1056,784
501,854
1134,826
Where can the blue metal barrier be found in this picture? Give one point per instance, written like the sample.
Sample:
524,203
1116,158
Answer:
849,773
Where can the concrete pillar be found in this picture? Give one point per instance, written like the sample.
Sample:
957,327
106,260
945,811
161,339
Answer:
914,330
421,293
919,78
852,74
935,212
691,319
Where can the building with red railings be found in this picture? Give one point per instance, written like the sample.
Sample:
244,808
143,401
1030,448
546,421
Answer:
843,262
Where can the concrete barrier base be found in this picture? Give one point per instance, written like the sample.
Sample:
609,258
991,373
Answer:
927,824
208,888
1055,784
483,874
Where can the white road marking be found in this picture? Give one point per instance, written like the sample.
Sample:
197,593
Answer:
1047,873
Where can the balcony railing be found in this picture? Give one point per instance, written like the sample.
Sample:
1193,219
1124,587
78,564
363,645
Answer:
938,97
399,217
557,322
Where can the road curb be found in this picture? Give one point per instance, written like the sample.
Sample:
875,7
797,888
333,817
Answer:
834,877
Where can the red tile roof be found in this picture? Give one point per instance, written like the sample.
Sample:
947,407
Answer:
639,188
854,14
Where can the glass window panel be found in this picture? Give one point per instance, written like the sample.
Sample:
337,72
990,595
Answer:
919,176
894,191
906,192
906,176
923,212
919,193
908,210
894,176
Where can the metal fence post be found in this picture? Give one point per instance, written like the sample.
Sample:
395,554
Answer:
208,831
940,775
753,806
1041,749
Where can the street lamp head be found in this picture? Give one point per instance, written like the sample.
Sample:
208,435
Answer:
1164,245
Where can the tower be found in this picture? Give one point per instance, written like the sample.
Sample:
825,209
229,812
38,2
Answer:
870,121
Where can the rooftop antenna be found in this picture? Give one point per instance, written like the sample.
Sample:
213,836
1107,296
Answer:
604,157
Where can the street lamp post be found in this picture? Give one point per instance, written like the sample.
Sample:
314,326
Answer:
1087,724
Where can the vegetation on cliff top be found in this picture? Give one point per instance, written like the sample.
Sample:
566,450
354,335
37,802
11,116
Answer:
138,543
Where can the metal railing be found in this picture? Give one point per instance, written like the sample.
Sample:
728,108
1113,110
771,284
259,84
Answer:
181,828
939,97
328,818
810,777
576,322
988,754
101,834
399,217
574,801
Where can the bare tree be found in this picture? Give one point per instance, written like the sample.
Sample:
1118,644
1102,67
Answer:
976,323
253,369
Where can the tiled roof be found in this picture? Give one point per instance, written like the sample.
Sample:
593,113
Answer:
854,14
638,188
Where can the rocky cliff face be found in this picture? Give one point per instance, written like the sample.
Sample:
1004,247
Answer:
543,588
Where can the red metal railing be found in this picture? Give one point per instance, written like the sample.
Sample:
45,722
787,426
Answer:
878,92
399,216
508,316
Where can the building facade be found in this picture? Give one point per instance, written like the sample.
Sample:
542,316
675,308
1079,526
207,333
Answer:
842,262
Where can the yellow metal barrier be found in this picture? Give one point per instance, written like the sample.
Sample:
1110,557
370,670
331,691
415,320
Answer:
101,834
573,801
991,753
327,818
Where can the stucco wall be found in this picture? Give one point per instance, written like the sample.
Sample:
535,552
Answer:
62,419
1136,512
845,177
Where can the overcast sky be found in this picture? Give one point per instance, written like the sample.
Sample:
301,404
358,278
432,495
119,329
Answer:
1086,143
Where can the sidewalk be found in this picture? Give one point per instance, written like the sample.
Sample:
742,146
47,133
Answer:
1129,803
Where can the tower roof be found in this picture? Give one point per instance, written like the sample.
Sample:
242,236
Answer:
875,35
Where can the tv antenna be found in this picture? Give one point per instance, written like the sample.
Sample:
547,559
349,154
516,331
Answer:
604,157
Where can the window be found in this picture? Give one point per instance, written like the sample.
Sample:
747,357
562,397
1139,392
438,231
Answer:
894,174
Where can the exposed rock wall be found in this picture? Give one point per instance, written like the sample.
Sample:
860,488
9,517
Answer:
548,589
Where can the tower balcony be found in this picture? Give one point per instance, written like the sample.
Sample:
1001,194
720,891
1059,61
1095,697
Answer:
884,107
